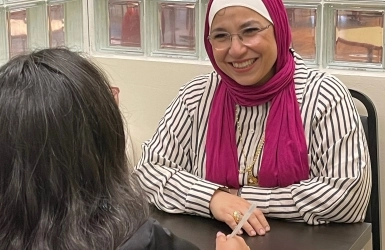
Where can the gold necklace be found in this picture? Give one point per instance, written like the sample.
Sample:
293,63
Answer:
251,179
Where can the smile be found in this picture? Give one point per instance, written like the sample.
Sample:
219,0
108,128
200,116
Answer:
244,64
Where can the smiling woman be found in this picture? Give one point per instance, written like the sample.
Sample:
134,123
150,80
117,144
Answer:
250,59
262,127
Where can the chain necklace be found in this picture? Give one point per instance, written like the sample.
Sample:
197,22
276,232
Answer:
251,179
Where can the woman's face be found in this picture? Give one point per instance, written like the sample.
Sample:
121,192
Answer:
246,64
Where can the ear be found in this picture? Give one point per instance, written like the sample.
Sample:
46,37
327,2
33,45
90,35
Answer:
115,92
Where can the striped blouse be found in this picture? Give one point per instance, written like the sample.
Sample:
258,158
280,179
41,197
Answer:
172,168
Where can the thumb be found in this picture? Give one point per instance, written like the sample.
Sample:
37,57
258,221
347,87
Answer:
221,236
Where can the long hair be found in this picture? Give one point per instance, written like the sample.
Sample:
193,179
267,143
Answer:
65,182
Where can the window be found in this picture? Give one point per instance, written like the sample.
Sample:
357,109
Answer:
354,36
177,26
359,36
35,24
303,23
17,32
327,33
168,29
124,25
324,32
56,25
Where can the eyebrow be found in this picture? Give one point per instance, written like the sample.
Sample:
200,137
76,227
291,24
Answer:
244,25
248,23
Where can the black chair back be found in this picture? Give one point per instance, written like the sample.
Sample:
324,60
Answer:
369,123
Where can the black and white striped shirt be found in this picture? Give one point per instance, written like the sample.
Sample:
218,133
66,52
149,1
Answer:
172,168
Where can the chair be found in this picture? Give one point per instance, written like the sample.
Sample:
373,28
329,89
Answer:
369,123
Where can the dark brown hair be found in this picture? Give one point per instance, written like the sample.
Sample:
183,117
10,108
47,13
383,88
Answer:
64,178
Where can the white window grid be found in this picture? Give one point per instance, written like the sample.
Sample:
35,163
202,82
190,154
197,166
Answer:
313,6
90,32
154,27
330,35
38,27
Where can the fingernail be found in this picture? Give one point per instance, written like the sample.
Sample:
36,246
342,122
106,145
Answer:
267,229
219,233
240,232
252,233
261,231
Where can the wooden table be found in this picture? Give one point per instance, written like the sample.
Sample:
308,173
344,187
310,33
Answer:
370,38
283,235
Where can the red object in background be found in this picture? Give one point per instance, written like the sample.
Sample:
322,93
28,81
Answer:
131,28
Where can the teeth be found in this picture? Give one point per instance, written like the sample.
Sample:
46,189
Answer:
243,64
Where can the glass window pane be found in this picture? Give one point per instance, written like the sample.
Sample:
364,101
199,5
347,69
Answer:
359,36
56,25
303,29
177,29
124,24
17,32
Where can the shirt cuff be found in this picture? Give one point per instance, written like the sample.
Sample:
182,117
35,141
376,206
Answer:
199,197
257,194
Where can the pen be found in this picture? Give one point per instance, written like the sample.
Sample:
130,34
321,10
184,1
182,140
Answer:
244,219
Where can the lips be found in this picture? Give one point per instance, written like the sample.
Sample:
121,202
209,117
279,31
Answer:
244,64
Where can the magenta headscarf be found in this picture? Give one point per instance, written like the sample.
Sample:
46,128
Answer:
284,160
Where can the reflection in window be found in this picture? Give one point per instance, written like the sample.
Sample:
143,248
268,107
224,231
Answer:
17,32
177,29
303,29
359,36
56,25
124,23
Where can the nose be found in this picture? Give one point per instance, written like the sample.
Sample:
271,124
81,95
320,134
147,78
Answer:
237,48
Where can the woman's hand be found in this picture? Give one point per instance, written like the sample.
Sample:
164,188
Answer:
223,205
235,243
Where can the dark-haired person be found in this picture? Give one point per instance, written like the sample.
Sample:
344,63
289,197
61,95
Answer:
65,182
262,127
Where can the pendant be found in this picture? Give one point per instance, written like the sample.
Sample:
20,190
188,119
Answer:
251,179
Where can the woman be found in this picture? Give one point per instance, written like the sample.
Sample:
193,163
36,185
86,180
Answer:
65,182
261,128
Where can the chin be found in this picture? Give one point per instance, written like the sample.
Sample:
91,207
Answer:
247,82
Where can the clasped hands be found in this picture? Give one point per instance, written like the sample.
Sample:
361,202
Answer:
227,207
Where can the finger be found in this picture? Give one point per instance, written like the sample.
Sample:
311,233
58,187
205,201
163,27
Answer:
221,237
231,223
249,229
255,226
262,219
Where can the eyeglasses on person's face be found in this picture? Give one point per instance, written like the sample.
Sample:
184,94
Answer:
221,40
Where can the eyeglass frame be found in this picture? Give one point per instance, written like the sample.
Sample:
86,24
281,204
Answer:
240,37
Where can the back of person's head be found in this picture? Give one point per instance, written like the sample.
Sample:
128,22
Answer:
64,178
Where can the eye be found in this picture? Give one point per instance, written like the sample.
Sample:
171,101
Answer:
250,31
220,36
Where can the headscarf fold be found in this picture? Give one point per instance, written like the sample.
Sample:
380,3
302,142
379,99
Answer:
284,160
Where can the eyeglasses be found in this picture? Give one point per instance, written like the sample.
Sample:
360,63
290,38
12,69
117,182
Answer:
221,40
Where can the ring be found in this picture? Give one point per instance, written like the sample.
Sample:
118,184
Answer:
237,216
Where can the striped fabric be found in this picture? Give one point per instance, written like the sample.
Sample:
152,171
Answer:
172,166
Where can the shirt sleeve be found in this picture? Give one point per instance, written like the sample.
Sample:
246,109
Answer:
340,175
165,167
152,236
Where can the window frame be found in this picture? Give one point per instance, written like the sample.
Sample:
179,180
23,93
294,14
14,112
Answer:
318,29
330,32
38,21
100,36
153,43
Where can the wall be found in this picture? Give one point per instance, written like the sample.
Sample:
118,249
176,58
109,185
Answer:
147,87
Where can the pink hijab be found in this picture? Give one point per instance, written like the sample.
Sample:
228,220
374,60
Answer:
284,159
